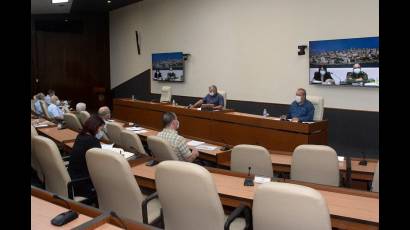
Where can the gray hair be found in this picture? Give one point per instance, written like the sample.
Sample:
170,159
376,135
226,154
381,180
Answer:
214,87
167,118
103,111
81,106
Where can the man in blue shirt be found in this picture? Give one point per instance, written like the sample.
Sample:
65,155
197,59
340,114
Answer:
301,109
37,105
49,95
54,111
213,97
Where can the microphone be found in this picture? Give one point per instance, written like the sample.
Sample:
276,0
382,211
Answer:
248,181
65,217
364,161
119,219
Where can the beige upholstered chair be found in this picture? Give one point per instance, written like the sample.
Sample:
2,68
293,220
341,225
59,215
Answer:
315,164
189,198
131,142
72,122
160,149
223,93
34,162
32,106
44,107
113,131
165,94
375,183
256,157
83,116
318,103
289,206
116,187
56,177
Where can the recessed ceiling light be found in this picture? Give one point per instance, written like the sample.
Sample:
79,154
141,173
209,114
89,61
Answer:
66,20
59,1
108,1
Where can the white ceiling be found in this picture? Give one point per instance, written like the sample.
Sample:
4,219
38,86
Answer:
46,7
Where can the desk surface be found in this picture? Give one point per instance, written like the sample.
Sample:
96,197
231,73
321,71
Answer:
351,206
59,135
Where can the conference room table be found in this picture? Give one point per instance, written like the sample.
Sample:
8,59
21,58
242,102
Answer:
349,208
225,126
44,207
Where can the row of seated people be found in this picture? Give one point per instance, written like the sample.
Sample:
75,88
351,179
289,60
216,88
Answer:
198,206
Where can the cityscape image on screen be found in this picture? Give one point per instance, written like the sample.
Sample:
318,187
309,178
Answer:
168,67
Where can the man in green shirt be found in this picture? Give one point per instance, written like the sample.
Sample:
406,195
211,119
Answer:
357,75
177,142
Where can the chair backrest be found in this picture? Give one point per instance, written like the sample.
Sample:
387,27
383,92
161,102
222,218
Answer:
52,165
160,149
115,184
289,206
44,107
34,162
223,93
131,142
83,115
375,183
318,103
315,164
254,156
188,196
32,106
72,122
165,94
114,130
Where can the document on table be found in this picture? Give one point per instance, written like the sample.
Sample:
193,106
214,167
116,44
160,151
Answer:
134,128
261,179
107,146
40,125
206,147
341,158
308,122
195,143
140,131
127,155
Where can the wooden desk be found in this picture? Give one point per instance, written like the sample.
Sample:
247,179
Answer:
58,135
349,208
45,207
225,126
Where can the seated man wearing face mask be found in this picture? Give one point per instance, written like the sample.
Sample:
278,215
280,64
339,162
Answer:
88,138
357,75
301,109
177,142
212,98
53,110
322,75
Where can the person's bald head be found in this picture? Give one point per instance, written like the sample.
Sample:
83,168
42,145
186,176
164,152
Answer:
301,92
104,112
54,99
357,65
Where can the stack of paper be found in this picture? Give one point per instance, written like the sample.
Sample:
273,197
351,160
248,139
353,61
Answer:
206,147
195,143
261,179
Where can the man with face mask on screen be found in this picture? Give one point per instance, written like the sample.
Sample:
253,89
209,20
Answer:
213,97
357,75
301,109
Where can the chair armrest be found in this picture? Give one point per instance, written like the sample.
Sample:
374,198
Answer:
70,185
144,205
236,213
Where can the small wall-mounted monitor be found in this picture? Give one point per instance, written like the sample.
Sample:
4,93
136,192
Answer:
353,62
168,67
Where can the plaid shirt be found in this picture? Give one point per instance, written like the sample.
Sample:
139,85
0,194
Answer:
177,142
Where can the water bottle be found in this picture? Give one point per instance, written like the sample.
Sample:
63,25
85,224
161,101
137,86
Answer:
133,97
173,102
265,113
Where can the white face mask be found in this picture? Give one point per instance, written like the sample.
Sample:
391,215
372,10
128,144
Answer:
211,93
99,135
356,71
322,72
58,102
298,99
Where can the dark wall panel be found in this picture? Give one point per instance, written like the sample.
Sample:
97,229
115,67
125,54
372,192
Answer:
350,132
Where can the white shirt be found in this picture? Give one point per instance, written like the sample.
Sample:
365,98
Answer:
37,107
48,99
54,111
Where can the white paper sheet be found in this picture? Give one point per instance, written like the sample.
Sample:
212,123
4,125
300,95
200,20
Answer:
107,146
206,147
40,125
261,179
195,143
140,131
341,158
134,128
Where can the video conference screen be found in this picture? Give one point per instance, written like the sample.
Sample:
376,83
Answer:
353,62
168,67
